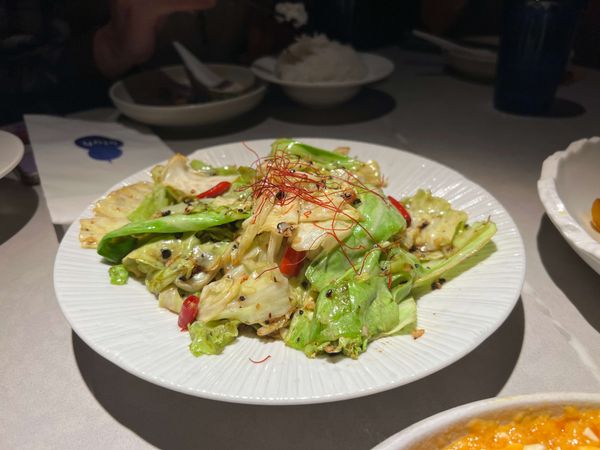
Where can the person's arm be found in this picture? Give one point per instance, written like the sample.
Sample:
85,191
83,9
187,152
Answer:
128,39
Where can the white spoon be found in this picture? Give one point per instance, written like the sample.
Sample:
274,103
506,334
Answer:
204,76
454,47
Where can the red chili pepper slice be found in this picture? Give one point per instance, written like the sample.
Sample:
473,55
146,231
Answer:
400,207
291,263
215,191
188,312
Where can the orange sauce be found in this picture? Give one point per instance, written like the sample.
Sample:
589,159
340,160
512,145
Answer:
596,214
573,430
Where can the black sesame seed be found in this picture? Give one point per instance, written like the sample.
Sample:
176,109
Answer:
436,285
165,253
329,293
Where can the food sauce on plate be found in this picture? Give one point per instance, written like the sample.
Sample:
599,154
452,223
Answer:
573,430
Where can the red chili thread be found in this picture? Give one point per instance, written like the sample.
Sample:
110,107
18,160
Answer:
261,361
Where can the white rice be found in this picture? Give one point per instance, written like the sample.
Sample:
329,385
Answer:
316,58
295,13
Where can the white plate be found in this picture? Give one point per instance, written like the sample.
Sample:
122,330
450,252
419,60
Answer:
325,93
194,113
11,152
440,430
569,183
125,325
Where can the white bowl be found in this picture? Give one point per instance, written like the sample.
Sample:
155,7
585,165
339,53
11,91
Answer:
326,93
481,67
476,65
11,152
194,113
569,183
440,430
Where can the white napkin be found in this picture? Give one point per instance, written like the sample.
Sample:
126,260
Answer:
78,160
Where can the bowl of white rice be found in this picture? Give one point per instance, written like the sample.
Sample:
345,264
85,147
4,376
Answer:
319,73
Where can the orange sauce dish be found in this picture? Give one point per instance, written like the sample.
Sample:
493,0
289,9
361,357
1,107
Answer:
596,214
573,430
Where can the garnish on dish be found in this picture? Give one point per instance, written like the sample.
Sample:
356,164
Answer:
303,246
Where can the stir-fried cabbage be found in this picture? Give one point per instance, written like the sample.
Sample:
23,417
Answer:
304,247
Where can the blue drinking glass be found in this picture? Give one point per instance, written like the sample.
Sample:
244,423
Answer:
535,45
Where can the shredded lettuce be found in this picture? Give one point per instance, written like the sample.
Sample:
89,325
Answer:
379,222
118,274
154,202
352,312
210,338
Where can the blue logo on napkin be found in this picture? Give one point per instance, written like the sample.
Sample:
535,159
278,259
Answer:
100,147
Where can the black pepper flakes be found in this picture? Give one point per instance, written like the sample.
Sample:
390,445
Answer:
165,213
301,312
329,293
280,195
423,225
356,202
242,298
178,235
438,284
304,284
165,253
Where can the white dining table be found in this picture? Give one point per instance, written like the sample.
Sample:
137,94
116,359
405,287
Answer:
58,393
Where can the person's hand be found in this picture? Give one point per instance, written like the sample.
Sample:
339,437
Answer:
128,39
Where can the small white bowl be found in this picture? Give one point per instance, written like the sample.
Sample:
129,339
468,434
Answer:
440,430
482,67
11,152
326,93
203,113
569,183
